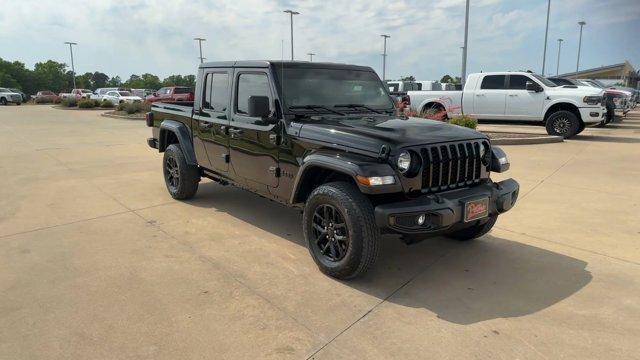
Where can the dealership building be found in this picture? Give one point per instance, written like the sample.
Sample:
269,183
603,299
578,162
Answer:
622,74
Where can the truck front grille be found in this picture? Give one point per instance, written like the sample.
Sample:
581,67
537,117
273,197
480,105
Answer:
453,165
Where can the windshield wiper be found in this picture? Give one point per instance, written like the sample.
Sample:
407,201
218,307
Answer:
353,106
315,108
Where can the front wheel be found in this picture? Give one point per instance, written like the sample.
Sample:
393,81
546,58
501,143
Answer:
340,230
563,123
475,231
181,178
3,101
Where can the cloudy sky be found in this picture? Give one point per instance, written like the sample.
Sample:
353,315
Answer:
136,36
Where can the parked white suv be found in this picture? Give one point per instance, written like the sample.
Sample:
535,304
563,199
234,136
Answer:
100,93
8,96
519,96
118,97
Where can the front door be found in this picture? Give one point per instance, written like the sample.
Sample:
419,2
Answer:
211,121
521,103
490,99
253,143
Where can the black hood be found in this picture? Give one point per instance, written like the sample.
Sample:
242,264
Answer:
370,133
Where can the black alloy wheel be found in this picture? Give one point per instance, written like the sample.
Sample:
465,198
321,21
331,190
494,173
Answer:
330,233
172,173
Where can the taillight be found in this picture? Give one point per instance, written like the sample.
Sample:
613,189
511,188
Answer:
149,118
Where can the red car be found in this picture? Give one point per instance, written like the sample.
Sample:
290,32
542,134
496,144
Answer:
172,93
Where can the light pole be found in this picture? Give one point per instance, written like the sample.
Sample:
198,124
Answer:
310,56
559,47
581,23
291,13
384,56
73,69
200,40
464,49
546,32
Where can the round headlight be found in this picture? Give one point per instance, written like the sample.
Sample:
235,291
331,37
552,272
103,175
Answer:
404,161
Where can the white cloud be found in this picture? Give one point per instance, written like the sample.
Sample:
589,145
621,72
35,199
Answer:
136,36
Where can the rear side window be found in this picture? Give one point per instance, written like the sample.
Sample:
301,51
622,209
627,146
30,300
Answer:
518,82
216,94
182,91
493,82
251,85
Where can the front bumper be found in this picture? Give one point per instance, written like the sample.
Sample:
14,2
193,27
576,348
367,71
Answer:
593,115
445,211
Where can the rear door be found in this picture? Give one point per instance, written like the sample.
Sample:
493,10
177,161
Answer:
523,104
490,97
253,144
211,121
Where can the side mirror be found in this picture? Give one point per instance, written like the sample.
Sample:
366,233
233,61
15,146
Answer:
259,106
531,86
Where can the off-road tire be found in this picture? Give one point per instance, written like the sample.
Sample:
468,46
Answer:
363,234
18,103
475,231
3,101
188,177
563,123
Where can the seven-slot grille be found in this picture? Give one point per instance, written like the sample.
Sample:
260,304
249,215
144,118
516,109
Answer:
452,165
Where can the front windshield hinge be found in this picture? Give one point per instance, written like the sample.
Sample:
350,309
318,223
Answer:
384,152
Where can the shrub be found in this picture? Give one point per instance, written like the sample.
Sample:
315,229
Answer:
57,100
70,102
107,104
464,120
121,107
97,103
132,108
145,106
86,104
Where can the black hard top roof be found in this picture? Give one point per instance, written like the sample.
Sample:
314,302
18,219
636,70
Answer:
286,64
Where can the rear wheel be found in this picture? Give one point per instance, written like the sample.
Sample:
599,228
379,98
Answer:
181,178
340,230
474,231
563,123
3,101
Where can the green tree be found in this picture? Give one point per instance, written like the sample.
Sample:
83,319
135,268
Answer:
446,79
50,75
408,78
99,80
114,82
150,81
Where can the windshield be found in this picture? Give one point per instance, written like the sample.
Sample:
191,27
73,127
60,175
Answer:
4,90
124,93
544,80
331,87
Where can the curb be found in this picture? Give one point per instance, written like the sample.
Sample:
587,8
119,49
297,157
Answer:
527,140
114,116
59,107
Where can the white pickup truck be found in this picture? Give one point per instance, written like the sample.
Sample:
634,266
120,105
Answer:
517,96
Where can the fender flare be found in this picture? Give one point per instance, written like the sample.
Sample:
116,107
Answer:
351,165
182,133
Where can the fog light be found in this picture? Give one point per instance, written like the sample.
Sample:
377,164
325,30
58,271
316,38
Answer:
594,114
421,218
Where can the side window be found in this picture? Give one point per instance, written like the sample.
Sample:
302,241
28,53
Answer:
216,94
493,82
518,82
206,97
250,85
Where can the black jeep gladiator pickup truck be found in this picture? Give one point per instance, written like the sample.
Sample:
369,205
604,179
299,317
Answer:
326,138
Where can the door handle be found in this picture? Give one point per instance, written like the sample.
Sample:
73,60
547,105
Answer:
479,94
513,94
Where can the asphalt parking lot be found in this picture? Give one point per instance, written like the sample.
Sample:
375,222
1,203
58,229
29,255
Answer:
97,261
